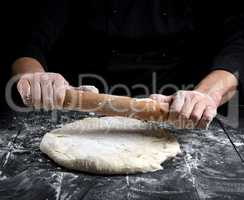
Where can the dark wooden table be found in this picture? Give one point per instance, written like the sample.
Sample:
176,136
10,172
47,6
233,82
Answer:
208,168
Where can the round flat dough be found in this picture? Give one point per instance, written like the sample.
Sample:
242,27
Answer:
110,145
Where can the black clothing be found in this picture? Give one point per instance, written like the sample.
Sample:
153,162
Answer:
138,33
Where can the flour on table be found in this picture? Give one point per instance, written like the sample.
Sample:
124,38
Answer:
110,145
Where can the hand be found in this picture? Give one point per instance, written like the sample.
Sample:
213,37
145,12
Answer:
45,90
42,90
189,109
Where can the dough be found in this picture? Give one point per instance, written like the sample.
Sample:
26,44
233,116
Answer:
110,145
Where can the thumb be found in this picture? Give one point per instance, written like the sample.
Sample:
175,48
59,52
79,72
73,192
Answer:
86,88
162,98
24,89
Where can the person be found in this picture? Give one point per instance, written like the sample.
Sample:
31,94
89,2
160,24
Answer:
189,41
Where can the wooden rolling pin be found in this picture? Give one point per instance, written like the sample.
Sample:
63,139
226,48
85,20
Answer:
111,105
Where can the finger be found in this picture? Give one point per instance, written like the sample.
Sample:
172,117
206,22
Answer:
47,94
24,89
88,88
186,111
35,91
176,107
161,98
207,118
188,106
59,88
197,112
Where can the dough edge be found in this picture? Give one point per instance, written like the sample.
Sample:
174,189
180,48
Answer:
101,166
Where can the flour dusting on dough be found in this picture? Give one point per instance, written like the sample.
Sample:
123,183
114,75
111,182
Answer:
110,145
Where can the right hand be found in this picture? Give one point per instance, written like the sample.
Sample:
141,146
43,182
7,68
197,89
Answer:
45,90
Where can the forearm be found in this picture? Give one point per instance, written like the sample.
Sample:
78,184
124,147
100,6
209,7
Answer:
220,85
26,65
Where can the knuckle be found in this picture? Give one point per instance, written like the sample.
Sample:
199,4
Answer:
44,77
211,111
180,93
196,98
36,76
184,115
152,96
59,76
45,82
207,117
211,108
189,97
177,110
195,117
25,76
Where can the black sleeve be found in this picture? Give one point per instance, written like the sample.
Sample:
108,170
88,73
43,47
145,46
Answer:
44,31
231,54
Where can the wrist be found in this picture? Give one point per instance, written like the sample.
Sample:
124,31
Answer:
216,96
220,85
26,65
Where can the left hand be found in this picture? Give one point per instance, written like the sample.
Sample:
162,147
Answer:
190,109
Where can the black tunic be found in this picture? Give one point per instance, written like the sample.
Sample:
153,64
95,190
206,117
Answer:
149,31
